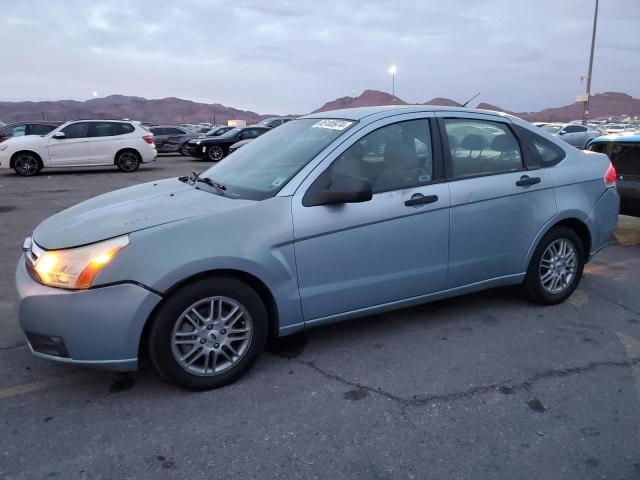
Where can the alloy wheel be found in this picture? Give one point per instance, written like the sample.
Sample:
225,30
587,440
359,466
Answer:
26,165
558,266
128,161
211,336
216,153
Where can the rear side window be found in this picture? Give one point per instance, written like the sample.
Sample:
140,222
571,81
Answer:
121,128
481,147
39,129
156,131
173,131
539,152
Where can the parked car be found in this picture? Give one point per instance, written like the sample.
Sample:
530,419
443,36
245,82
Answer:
273,122
623,150
216,148
169,139
215,132
336,215
80,143
577,135
20,129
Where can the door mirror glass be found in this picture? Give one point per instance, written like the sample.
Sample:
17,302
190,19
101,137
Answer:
341,189
561,132
59,135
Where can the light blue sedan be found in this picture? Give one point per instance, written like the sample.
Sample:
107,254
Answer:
328,217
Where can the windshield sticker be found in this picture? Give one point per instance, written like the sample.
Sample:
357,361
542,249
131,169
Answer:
333,124
278,181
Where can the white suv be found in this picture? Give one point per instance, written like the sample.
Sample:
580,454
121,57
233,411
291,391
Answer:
81,143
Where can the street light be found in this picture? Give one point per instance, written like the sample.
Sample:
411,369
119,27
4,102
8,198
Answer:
585,114
393,70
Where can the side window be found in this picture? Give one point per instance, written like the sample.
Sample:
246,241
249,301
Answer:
40,129
481,147
173,131
118,128
155,131
393,157
15,131
538,150
100,129
251,133
574,129
76,130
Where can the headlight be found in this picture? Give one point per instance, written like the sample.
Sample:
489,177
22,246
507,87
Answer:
3,147
198,142
76,267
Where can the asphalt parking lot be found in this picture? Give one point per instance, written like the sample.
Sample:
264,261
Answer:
482,386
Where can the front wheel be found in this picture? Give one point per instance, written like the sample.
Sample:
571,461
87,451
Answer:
26,164
209,333
556,267
215,153
127,161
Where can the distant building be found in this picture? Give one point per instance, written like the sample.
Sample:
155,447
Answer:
237,123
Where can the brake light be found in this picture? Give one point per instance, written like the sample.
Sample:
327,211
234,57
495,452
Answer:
610,176
148,139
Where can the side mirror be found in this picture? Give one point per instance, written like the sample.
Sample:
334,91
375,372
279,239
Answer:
343,189
59,135
561,132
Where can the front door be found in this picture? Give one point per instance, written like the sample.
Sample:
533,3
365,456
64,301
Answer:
71,150
497,207
392,248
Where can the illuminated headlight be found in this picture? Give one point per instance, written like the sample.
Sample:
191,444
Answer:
3,147
198,142
74,268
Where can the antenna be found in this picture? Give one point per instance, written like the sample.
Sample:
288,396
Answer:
467,102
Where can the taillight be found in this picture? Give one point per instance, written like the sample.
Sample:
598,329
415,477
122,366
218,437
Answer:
148,139
610,176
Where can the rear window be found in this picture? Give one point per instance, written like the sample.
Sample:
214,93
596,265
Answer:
624,156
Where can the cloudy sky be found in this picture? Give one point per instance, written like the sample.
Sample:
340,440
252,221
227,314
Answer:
290,56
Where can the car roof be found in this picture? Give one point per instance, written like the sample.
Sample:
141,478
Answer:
382,111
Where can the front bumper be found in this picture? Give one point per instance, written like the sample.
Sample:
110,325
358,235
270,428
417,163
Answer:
195,150
100,327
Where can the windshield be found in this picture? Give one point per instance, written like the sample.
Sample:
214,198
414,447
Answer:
551,128
262,167
214,132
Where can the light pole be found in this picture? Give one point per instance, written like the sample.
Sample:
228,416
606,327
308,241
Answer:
585,115
393,70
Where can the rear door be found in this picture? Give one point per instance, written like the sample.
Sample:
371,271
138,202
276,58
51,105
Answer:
498,207
105,140
175,137
73,149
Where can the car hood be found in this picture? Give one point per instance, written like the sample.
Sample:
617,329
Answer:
26,140
129,210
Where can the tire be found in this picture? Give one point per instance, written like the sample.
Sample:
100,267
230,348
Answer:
27,164
556,267
127,161
184,150
198,350
215,153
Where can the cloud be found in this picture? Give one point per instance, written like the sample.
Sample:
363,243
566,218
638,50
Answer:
290,56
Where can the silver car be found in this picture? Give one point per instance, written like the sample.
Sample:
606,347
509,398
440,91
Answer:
577,135
332,216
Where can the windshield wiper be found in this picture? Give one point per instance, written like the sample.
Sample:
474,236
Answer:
211,183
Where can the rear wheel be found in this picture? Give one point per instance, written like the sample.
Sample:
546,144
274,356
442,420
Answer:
127,161
556,267
184,150
209,333
26,164
215,153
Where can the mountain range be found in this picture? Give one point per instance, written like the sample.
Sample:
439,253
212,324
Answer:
173,110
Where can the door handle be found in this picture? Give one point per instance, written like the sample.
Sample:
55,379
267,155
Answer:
527,180
421,200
